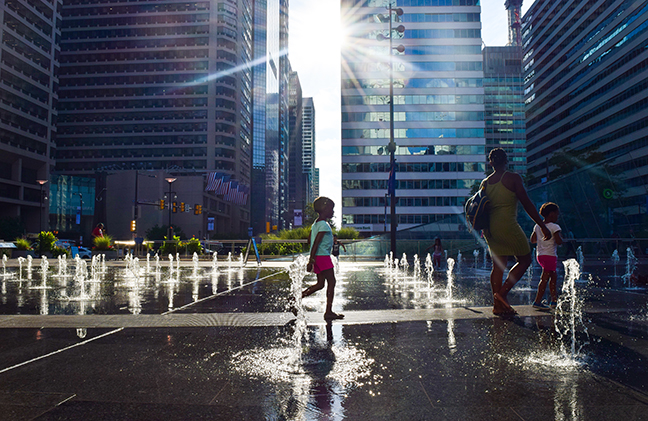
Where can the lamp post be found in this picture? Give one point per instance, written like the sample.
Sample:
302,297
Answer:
40,214
391,146
170,180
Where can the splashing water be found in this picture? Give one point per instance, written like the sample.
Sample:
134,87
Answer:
615,261
459,257
581,258
194,262
429,270
404,264
30,262
4,265
450,275
631,266
476,256
417,267
215,262
569,312
21,262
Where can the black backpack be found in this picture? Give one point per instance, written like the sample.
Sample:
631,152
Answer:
477,211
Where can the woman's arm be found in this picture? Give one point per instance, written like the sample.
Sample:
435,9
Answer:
523,197
557,238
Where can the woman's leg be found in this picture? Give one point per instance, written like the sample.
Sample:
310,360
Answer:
514,275
497,273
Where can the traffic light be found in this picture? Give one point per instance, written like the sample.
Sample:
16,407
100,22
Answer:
182,207
175,207
197,209
133,225
161,204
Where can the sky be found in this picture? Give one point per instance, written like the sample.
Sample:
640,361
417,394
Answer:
315,37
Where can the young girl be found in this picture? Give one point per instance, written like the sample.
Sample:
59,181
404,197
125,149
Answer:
321,241
547,256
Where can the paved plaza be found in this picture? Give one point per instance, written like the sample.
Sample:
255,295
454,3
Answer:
238,354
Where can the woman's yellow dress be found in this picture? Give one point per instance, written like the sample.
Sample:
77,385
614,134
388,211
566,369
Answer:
504,236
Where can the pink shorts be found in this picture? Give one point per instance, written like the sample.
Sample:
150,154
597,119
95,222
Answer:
548,263
322,263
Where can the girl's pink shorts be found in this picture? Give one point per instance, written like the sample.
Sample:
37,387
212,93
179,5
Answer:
548,263
322,263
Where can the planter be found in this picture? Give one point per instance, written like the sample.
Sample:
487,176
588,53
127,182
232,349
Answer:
110,254
23,253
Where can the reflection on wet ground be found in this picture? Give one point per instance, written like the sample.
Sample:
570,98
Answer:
449,365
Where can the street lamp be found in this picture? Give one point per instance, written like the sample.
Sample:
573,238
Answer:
40,214
391,146
170,180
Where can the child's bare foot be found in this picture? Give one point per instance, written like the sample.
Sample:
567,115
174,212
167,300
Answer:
333,316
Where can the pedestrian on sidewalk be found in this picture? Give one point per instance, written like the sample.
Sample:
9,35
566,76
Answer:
548,255
321,244
335,251
505,237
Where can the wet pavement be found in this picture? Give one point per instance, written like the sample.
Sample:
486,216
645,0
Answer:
227,349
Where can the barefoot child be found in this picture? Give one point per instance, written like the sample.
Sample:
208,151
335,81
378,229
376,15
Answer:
547,256
321,241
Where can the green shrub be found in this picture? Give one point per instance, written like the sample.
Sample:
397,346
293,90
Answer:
170,247
192,246
348,233
46,240
22,244
60,251
103,243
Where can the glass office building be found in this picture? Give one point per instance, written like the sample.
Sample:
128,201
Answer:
438,111
29,65
157,85
504,104
270,116
586,93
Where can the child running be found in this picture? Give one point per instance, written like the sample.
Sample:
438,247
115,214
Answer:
321,243
547,256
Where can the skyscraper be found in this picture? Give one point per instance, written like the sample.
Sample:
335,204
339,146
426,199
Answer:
504,104
586,91
308,149
296,179
29,54
160,86
271,73
438,111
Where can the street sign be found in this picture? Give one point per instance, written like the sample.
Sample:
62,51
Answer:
210,223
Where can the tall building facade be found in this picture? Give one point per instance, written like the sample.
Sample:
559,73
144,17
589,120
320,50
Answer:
438,111
586,90
504,104
308,149
29,67
296,179
155,85
270,116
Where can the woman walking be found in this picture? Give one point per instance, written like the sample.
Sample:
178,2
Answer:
505,237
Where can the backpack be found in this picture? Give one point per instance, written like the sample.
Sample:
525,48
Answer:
477,210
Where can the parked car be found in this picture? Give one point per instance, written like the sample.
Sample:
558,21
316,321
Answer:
85,253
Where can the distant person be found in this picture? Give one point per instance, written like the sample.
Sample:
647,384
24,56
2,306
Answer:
98,231
547,254
321,242
335,251
505,236
437,253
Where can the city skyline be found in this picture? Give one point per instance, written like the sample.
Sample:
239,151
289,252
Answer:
316,58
